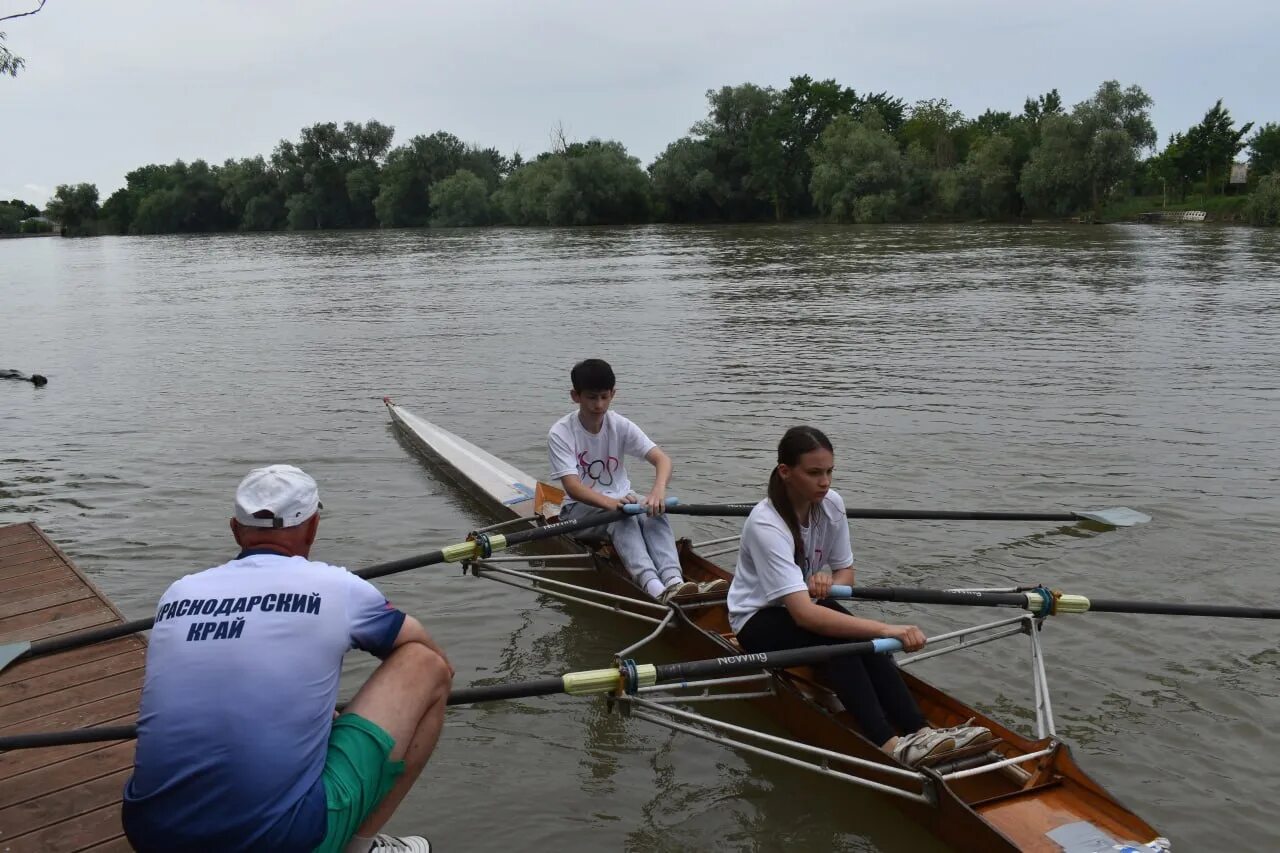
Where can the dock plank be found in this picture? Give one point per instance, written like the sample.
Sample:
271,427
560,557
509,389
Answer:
65,797
36,579
85,796
59,680
33,598
68,659
75,833
51,777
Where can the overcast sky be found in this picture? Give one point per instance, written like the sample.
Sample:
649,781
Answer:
110,86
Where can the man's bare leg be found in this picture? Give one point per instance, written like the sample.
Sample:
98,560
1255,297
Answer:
406,696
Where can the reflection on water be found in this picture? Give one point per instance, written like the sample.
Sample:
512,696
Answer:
954,367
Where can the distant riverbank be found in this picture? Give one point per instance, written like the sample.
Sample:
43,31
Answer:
815,149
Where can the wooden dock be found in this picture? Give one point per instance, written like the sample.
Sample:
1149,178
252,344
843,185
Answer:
64,798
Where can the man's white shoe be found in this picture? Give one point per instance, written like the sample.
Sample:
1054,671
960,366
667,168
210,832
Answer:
401,844
717,585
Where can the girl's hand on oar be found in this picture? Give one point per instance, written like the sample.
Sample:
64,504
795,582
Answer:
820,585
911,637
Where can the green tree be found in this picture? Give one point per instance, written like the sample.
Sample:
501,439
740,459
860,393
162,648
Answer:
857,171
1038,109
920,184
739,132
190,201
685,187
984,183
404,198
779,144
891,111
120,209
1264,149
251,194
1114,127
1082,158
12,213
462,199
936,127
1215,142
75,206
524,197
10,63
591,183
314,174
601,185
28,210
10,216
1263,206
1176,166
1055,179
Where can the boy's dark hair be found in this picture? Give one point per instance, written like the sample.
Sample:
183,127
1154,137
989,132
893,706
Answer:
593,374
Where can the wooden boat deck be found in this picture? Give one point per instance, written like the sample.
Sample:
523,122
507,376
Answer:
64,798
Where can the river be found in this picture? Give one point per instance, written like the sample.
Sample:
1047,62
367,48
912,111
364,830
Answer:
958,367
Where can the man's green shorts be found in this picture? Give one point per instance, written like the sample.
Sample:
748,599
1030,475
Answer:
358,773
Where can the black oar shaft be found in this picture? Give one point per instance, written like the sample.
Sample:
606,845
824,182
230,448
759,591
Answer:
580,683
462,696
1156,608
512,690
932,596
855,512
1040,600
87,638
745,663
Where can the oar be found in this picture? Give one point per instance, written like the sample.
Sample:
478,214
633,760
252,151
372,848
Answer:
624,679
1116,516
481,546
1045,602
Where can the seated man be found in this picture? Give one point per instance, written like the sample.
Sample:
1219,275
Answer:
239,746
588,449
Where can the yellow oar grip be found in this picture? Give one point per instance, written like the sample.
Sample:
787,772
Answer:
1070,603
591,681
606,680
458,553
469,550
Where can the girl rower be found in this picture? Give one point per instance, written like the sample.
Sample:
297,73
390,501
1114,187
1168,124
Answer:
788,538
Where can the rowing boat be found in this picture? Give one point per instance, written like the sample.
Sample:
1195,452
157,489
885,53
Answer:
1014,793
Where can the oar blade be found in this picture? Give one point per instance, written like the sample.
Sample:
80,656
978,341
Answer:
10,652
1115,516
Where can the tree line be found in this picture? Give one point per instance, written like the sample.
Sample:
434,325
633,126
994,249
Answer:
813,149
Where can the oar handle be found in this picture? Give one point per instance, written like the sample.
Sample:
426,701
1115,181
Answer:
638,508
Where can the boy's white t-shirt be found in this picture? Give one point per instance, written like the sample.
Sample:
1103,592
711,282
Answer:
597,459
766,571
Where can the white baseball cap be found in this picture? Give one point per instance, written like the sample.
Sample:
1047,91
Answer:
276,496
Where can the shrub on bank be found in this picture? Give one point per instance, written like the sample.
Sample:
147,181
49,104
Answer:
1263,206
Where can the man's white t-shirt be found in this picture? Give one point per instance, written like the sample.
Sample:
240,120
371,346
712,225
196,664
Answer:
767,572
598,459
